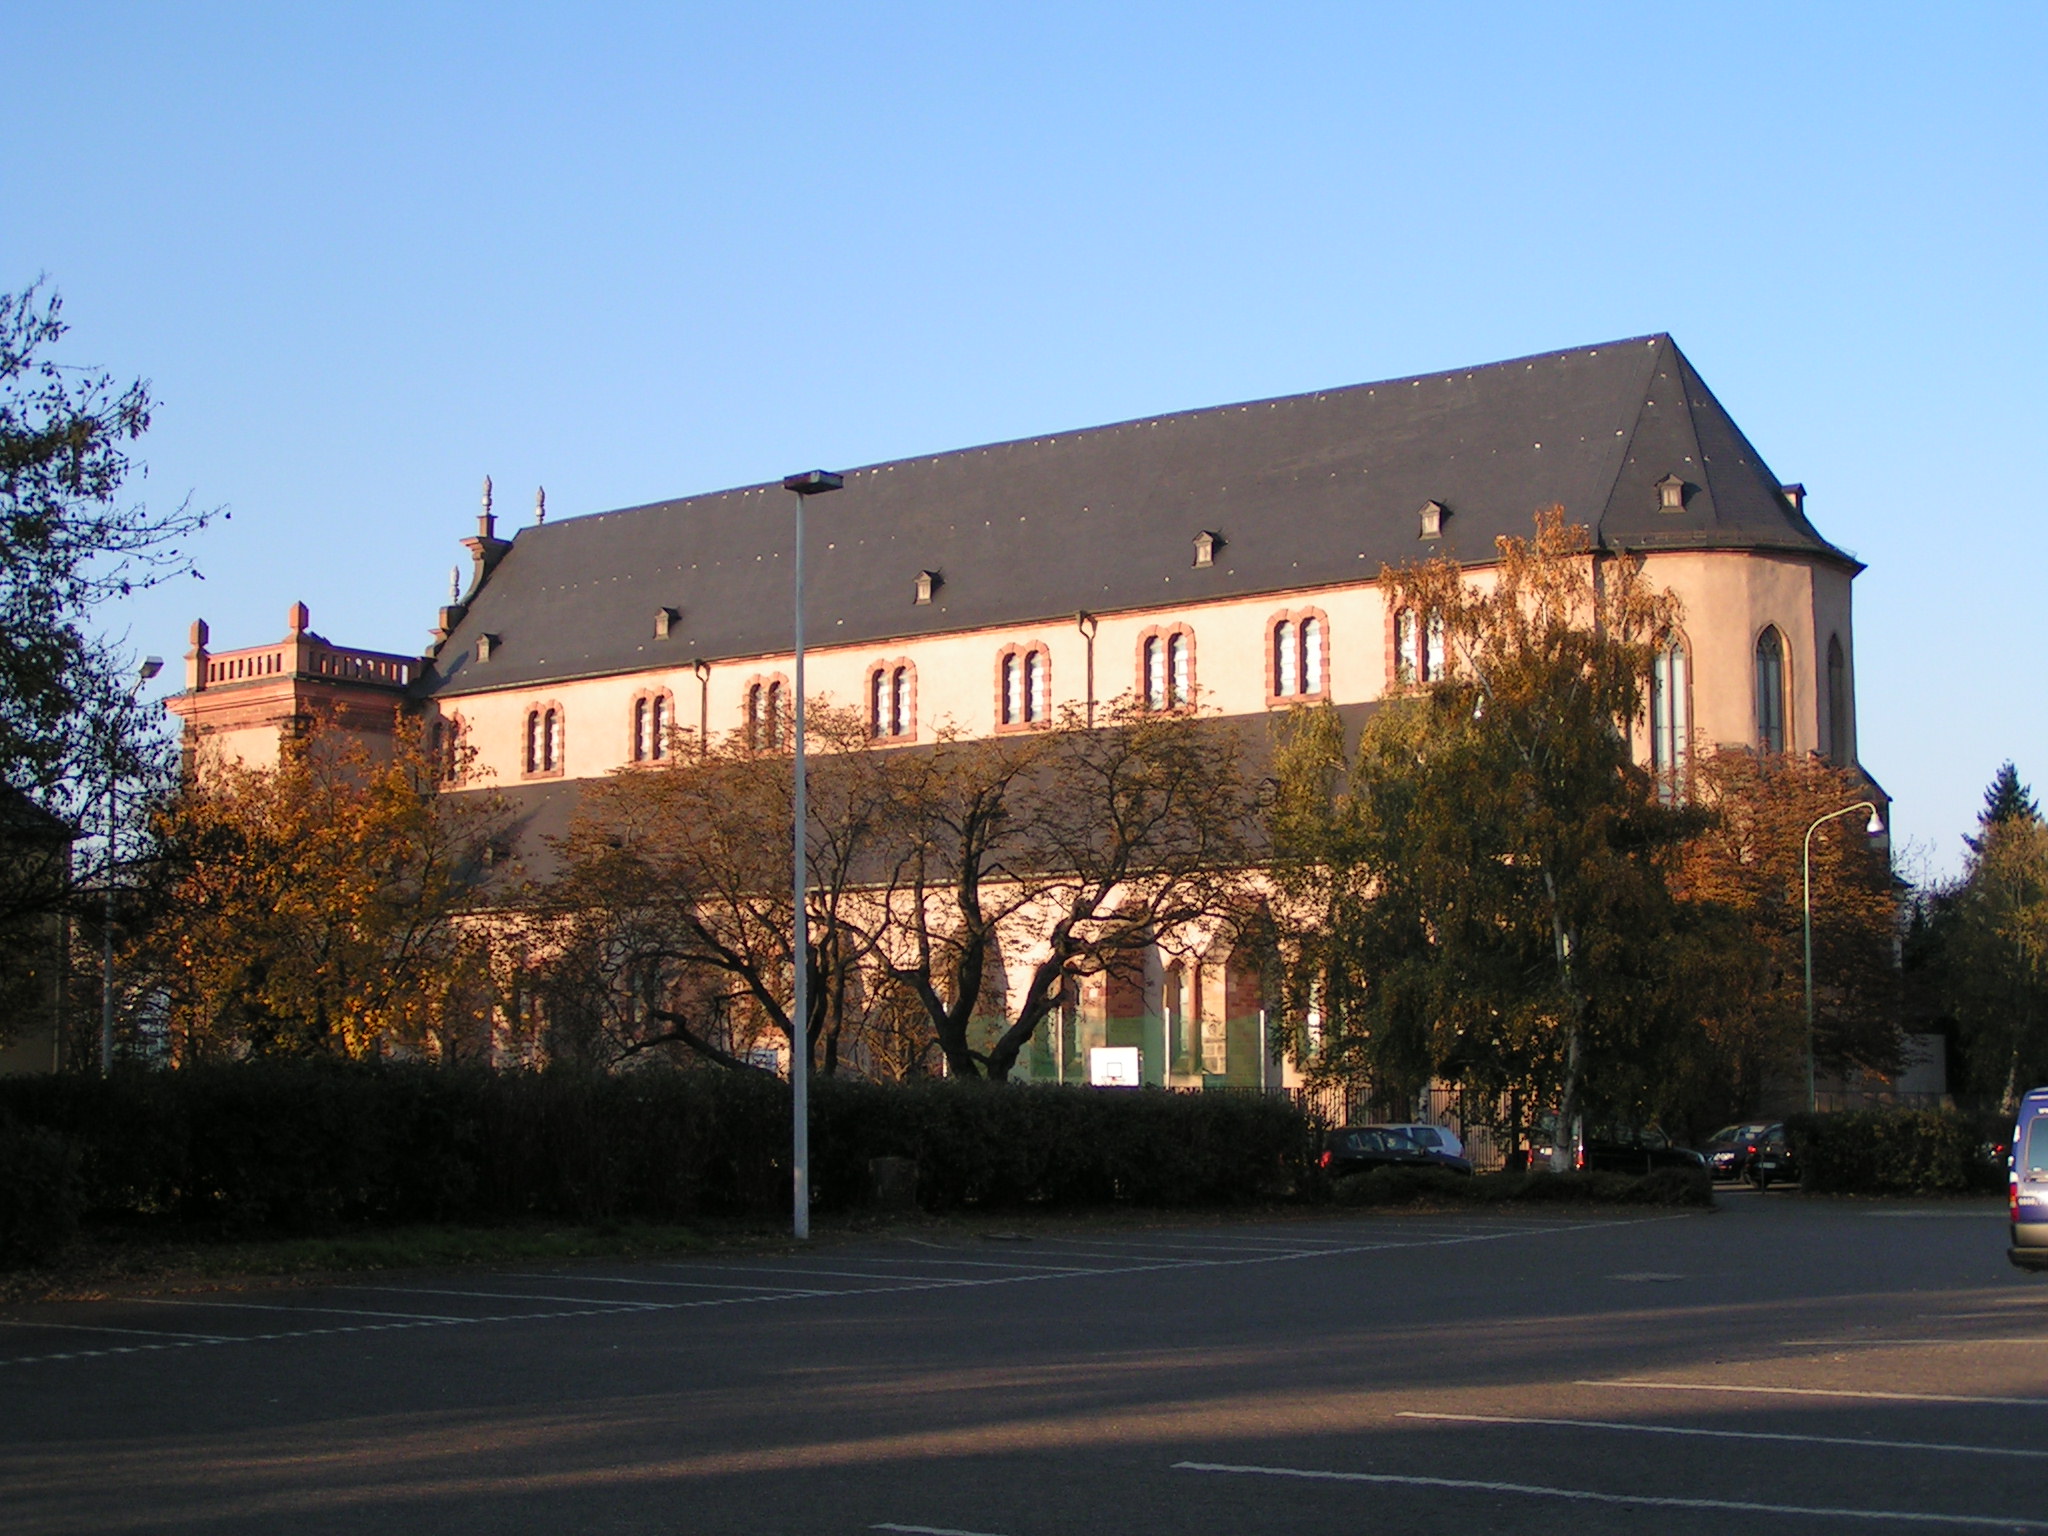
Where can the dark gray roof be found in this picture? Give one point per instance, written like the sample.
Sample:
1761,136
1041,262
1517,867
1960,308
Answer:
1305,491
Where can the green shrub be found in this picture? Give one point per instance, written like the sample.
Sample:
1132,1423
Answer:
39,1195
1896,1152
277,1148
1406,1186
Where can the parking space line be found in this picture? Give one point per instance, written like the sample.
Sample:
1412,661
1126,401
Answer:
262,1306
927,1530
1631,1500
1882,1397
695,1285
1732,1434
426,1290
972,1263
147,1333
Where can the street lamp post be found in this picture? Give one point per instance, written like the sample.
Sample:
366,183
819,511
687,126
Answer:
1875,829
151,665
814,482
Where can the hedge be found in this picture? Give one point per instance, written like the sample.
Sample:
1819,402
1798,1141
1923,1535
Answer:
1897,1152
287,1148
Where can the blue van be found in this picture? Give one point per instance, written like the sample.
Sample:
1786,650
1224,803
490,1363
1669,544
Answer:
2029,1247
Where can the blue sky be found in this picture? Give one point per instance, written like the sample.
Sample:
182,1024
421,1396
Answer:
369,253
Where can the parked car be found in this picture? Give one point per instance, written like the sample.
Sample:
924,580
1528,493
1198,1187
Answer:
1357,1148
1771,1160
1730,1149
1617,1150
2028,1183
1432,1138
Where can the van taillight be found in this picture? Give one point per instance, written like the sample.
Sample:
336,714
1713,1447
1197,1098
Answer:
2012,1199
1325,1160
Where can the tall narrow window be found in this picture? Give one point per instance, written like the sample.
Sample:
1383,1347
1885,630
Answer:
1013,688
766,714
1670,730
1155,672
878,702
1770,690
643,747
1180,683
776,712
1034,686
1311,655
1286,659
1840,746
1023,686
1407,648
757,696
902,719
532,752
1298,660
891,714
1433,669
552,755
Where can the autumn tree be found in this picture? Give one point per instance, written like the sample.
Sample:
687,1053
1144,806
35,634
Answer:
323,906
1070,848
1742,885
670,921
1479,892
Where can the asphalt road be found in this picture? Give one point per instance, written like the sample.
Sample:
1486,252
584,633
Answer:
1784,1364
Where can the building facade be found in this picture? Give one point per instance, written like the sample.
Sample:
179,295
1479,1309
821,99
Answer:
1224,559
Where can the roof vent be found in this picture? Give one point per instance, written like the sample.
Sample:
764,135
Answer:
1433,515
1796,494
1671,494
927,583
664,618
1207,542
485,644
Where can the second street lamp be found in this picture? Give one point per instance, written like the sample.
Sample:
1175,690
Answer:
813,482
1876,829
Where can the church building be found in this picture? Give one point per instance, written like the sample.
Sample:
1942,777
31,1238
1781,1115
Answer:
1225,559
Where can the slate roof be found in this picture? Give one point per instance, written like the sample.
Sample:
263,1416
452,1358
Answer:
1305,491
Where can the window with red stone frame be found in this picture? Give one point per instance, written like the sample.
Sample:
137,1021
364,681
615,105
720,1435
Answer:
651,724
1024,687
766,717
1166,668
1298,656
892,700
544,742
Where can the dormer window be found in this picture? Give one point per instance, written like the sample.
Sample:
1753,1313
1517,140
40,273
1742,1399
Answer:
1433,515
927,583
485,644
664,620
1207,542
1671,494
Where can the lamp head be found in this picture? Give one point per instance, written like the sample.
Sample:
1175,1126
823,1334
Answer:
1875,827
813,482
151,665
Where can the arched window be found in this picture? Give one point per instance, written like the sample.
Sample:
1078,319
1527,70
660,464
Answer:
892,714
1023,687
1841,746
543,747
1297,661
446,746
1670,717
767,714
1407,648
1166,667
1770,690
653,718
1433,659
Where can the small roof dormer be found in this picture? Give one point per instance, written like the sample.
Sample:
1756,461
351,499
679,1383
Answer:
1671,494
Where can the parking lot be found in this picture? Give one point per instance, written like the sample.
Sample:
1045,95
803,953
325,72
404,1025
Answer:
1782,1364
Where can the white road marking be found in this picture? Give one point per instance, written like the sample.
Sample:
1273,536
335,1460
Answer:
928,1530
1991,1213
584,1306
147,1333
1877,1342
693,1285
1733,1434
1881,1397
1631,1500
261,1306
426,1290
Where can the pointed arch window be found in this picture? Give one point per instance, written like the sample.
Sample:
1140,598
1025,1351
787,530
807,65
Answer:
892,706
1671,717
1770,690
1841,738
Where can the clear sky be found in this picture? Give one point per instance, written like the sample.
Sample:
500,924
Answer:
369,253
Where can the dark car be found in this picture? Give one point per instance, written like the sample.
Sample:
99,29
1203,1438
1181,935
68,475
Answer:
1357,1148
1635,1152
1772,1162
1730,1149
